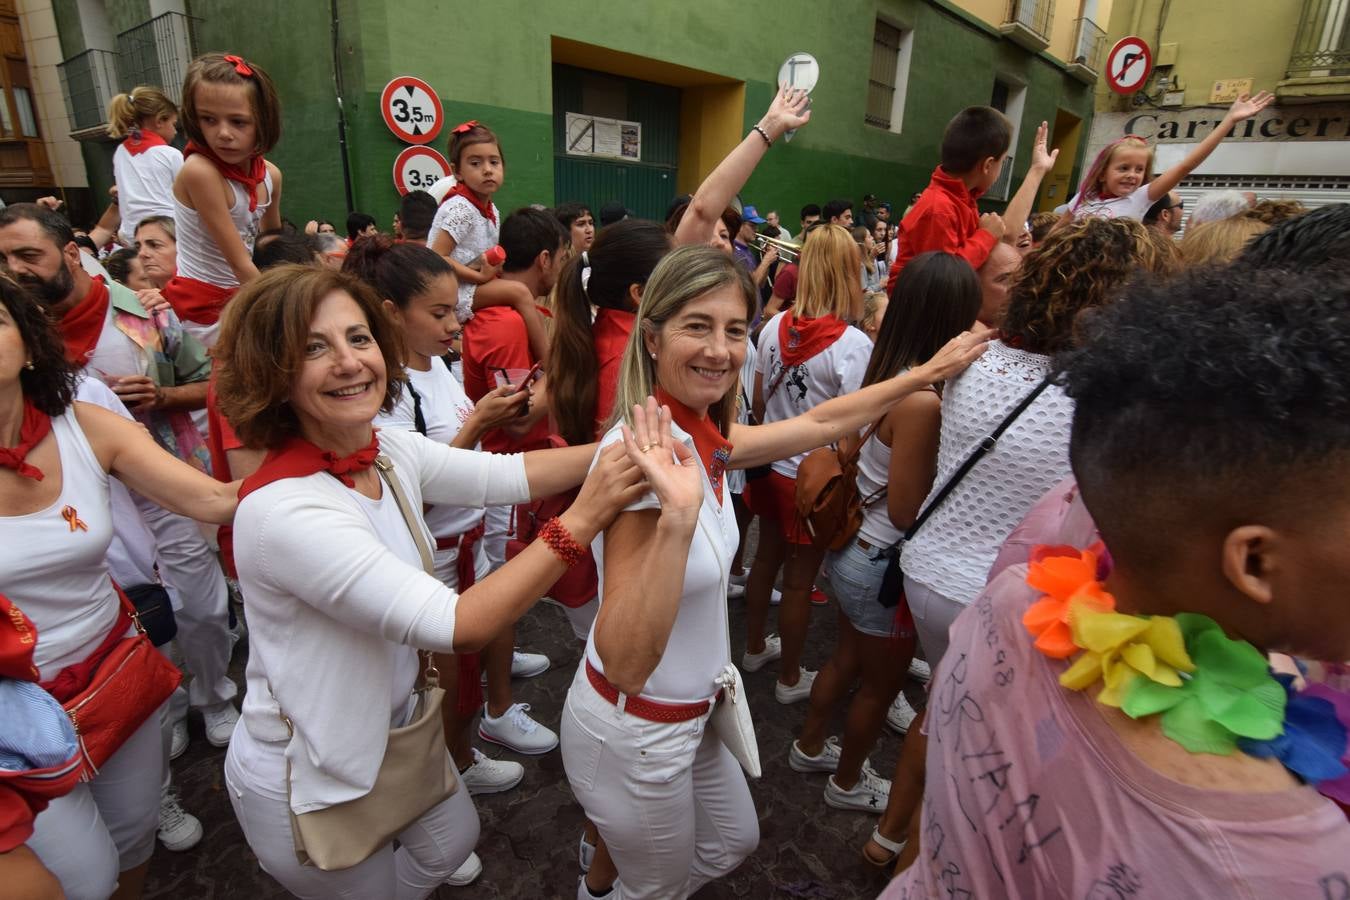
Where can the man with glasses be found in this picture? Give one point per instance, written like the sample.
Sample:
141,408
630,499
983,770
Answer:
1165,215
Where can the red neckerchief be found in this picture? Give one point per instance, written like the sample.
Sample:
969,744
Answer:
298,458
800,339
140,141
714,450
250,178
18,637
462,190
83,323
36,424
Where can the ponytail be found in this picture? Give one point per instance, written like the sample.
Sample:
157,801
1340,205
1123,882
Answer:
623,254
127,111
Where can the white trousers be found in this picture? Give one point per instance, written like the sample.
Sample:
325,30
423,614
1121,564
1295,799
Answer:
429,851
107,825
669,799
190,569
933,615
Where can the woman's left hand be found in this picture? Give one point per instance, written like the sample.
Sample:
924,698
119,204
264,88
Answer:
955,355
669,467
790,109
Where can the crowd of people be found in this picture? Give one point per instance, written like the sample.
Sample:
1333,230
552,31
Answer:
1077,475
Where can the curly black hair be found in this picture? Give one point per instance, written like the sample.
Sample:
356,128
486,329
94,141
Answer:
1210,394
50,384
1308,240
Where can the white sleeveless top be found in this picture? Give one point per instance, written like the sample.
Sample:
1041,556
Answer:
144,185
954,549
198,255
56,571
874,467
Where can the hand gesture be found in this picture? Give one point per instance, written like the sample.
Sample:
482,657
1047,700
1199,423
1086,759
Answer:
955,355
790,109
153,301
1042,158
50,203
672,470
614,482
311,227
1248,105
500,406
993,223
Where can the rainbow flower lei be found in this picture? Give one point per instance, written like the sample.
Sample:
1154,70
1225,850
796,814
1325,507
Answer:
1214,694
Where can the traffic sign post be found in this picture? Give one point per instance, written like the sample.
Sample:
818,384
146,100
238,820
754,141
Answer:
1128,65
418,168
411,109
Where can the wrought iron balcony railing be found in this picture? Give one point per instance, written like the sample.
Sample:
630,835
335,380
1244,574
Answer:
156,53
1322,44
89,81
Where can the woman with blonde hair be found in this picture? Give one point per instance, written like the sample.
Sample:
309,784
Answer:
807,355
144,164
1219,242
664,790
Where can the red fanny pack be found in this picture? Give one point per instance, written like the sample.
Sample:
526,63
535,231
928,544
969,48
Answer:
197,301
114,690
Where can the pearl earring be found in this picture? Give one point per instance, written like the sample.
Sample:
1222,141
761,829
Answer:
28,365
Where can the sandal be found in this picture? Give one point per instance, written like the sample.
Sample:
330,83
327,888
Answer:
891,847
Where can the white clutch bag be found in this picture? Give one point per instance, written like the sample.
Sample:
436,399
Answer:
731,720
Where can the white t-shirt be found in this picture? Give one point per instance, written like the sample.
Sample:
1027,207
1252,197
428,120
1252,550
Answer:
474,235
445,408
144,185
1131,206
698,648
833,372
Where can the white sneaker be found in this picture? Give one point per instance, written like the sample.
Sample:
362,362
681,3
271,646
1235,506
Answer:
491,776
869,794
179,743
742,578
827,760
584,893
585,853
775,597
920,670
178,831
517,731
800,691
773,648
528,665
901,715
467,873
220,720
735,591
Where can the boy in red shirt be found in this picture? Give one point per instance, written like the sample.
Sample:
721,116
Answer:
945,217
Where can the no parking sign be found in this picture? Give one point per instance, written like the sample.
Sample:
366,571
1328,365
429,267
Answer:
411,109
1128,65
418,168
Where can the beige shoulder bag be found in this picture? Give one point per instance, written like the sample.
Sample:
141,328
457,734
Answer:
416,774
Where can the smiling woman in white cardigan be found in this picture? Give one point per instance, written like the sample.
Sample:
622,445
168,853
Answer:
337,599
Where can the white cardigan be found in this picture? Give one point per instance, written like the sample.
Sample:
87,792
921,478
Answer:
328,600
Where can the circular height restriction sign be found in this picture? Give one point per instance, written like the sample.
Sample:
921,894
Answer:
418,168
411,109
1128,65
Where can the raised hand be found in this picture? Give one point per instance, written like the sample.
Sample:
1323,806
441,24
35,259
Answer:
790,109
993,223
669,467
1042,158
1248,105
955,355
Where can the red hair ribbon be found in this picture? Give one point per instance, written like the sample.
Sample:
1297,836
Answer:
239,65
464,126
72,518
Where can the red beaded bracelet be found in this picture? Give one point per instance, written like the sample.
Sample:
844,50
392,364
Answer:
561,542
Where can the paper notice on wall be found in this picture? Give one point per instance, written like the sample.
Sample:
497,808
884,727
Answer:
601,137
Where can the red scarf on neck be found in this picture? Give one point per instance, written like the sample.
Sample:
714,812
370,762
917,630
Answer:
485,208
714,450
800,339
140,141
83,323
35,426
298,458
250,175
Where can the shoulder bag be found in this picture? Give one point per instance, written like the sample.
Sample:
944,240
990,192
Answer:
415,775
828,503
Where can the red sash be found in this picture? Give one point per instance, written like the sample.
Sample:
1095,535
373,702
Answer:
470,693
75,677
196,301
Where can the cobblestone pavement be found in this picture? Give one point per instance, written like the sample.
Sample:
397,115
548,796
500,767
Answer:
529,834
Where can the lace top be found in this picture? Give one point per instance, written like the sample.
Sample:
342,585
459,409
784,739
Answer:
474,235
953,551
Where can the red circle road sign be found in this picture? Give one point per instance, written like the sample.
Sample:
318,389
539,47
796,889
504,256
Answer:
418,168
1128,65
411,109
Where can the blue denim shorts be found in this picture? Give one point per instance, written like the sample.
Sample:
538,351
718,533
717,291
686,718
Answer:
856,576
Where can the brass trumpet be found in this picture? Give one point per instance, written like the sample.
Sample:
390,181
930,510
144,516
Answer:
788,251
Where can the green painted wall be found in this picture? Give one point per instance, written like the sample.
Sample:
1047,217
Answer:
67,15
125,14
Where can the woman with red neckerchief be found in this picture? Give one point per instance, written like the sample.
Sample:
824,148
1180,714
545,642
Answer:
145,164
667,796
329,544
226,192
56,457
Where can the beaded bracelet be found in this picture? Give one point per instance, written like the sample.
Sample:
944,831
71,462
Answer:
764,134
561,542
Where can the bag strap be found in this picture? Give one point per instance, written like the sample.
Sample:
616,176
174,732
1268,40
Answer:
419,420
385,466
982,448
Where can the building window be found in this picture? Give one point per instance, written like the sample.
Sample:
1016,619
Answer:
23,101
1008,98
888,77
